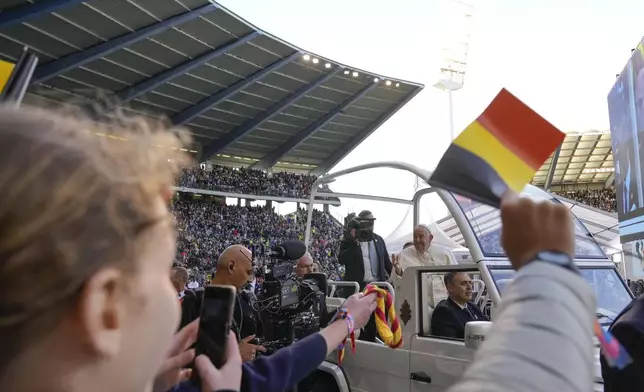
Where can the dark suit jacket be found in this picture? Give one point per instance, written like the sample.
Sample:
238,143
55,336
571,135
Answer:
246,320
190,308
628,329
351,258
448,319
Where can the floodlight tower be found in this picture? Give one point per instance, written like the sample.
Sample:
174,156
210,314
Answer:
456,41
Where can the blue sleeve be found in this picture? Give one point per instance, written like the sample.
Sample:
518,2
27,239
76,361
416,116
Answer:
286,367
280,371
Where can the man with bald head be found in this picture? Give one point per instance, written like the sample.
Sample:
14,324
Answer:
235,268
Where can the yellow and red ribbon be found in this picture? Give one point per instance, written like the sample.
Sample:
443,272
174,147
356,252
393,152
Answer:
385,310
385,314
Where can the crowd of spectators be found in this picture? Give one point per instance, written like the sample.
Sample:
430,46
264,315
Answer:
248,181
604,199
206,228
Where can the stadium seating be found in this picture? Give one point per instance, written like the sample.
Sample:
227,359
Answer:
248,181
603,199
206,229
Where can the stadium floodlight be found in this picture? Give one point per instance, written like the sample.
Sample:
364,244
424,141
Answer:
397,84
388,82
315,61
306,57
346,71
455,49
327,65
376,80
355,74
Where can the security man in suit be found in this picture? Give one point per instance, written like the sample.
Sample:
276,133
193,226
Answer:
451,314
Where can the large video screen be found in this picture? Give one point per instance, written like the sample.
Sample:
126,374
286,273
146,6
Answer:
626,113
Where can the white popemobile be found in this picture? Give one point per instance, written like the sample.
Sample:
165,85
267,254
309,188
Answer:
430,363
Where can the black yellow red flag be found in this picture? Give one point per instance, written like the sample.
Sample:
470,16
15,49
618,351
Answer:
501,150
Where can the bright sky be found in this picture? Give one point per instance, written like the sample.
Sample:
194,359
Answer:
559,57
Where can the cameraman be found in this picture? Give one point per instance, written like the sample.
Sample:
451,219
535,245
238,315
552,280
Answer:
235,268
366,259
304,265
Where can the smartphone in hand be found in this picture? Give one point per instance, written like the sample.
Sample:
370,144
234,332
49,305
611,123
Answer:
215,322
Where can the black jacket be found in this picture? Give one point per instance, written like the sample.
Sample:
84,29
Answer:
448,319
351,258
190,307
246,320
628,329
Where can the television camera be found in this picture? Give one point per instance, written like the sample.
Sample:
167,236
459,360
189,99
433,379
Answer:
290,307
363,224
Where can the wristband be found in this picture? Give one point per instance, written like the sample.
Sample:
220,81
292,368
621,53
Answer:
343,314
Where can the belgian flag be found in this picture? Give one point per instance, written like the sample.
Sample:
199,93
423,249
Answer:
500,150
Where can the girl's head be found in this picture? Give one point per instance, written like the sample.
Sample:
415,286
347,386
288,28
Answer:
86,245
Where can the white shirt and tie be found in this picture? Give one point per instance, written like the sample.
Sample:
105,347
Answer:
365,247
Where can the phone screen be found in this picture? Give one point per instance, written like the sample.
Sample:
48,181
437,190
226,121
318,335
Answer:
214,325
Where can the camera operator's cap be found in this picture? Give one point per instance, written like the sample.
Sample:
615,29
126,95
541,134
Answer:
366,215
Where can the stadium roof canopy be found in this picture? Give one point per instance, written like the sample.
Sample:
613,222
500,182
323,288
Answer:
249,98
583,158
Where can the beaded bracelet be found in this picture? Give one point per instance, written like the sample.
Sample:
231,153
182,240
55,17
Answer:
343,314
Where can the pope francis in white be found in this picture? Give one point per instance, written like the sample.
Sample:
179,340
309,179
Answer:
423,254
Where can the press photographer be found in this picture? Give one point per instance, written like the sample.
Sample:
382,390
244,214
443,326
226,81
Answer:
365,257
235,268
291,304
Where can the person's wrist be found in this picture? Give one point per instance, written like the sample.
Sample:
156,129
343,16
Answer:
557,258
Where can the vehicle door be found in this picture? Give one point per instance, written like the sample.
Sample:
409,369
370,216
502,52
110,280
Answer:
436,363
375,367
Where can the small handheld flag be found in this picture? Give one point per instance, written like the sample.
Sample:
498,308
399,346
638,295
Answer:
614,353
499,151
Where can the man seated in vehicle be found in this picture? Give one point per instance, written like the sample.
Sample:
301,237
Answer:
451,314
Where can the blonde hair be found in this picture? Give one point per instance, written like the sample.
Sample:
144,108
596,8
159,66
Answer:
75,196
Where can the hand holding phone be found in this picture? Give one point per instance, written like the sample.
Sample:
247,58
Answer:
214,326
227,378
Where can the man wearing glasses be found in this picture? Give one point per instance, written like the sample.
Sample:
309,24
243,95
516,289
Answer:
451,314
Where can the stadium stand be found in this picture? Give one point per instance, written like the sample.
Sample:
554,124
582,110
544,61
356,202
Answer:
584,158
248,98
581,169
248,181
251,101
206,229
603,199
